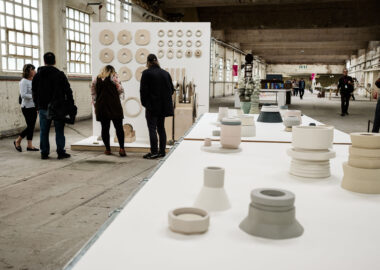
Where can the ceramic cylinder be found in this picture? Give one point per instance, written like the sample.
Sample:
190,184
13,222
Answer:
230,133
272,215
313,138
361,180
213,177
180,222
207,142
365,140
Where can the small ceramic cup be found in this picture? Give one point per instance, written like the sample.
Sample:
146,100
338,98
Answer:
207,142
230,133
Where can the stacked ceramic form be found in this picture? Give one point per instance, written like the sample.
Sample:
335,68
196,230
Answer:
270,114
362,171
311,151
248,128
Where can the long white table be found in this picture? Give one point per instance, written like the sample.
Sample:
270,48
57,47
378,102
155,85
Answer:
342,229
265,132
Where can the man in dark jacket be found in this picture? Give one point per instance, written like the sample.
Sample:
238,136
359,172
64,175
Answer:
346,87
301,88
156,90
376,122
51,94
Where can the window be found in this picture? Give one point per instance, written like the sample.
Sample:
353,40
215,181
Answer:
220,69
212,60
19,34
228,71
78,41
125,9
110,6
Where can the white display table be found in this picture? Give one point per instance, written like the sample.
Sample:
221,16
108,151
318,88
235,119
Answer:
342,229
265,132
280,95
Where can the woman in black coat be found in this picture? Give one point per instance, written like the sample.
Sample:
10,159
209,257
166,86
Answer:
106,90
156,90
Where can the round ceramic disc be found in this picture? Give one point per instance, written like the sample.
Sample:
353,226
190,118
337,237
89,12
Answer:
179,33
179,54
106,37
160,54
130,109
170,54
198,33
125,74
189,53
141,55
161,33
142,37
106,55
124,56
198,53
124,37
139,72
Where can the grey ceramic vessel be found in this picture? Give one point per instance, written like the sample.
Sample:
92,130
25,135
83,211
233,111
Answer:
272,215
269,117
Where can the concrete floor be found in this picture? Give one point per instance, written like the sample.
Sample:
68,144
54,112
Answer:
49,209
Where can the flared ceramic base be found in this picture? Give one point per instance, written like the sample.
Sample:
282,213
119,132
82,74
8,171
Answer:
212,199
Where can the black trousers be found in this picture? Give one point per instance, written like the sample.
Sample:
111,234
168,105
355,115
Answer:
345,101
156,124
118,124
30,115
302,92
376,122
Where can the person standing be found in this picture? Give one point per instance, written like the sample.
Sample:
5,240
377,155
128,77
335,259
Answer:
345,86
156,90
51,93
295,87
301,88
106,90
28,108
376,122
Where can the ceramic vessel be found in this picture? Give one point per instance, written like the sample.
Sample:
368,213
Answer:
245,106
310,169
361,180
223,113
364,152
246,119
270,114
318,155
189,220
364,162
271,215
248,131
313,138
207,142
365,140
290,121
213,196
296,113
230,133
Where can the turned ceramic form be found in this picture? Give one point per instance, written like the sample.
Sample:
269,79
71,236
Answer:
188,220
207,142
365,140
290,121
248,128
213,196
230,133
296,113
223,113
312,137
270,114
361,180
272,215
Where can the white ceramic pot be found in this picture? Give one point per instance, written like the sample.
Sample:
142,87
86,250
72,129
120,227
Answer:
290,121
271,215
296,113
361,180
223,113
213,196
247,119
189,220
248,131
364,152
313,137
364,162
230,133
365,140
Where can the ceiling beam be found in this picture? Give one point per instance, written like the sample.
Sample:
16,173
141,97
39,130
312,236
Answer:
353,45
306,59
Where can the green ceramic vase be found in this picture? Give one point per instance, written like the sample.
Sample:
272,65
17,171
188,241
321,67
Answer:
246,106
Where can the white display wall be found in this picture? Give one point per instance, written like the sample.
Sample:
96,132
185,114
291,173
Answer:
195,36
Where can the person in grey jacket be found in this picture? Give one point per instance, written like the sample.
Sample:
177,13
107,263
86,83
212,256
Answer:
28,108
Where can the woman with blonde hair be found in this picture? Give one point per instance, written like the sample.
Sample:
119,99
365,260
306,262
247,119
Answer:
106,90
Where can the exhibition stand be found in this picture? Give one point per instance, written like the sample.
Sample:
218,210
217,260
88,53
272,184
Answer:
265,132
280,95
340,227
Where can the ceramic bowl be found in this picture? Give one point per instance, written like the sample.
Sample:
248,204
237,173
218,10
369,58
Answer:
364,162
189,220
315,138
365,140
364,152
361,180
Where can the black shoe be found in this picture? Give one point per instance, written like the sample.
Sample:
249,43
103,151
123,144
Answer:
63,156
150,156
347,113
161,155
44,156
32,149
342,114
18,148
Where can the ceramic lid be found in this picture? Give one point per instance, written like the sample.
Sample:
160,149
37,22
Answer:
270,108
272,197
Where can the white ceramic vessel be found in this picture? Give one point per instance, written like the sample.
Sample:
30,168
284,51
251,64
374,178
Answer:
230,133
290,121
361,180
364,162
311,155
271,215
248,131
223,113
296,113
189,220
364,152
313,137
213,196
207,142
365,140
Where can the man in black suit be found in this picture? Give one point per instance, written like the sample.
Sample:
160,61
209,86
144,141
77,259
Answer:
301,88
156,90
376,122
346,87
